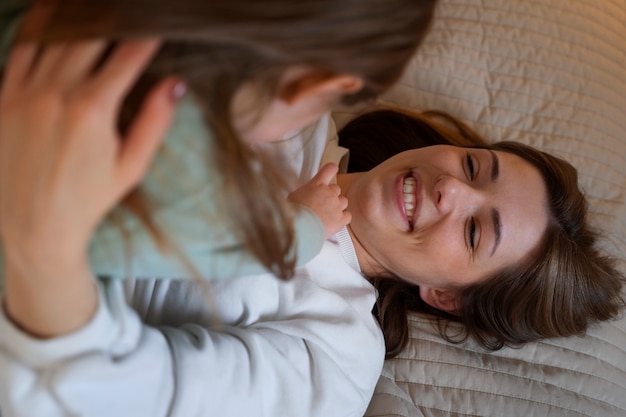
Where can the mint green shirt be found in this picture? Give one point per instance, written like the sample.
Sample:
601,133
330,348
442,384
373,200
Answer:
184,191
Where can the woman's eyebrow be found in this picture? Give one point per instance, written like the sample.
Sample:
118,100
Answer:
495,166
495,214
497,229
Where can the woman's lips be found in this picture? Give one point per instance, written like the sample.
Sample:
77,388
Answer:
409,198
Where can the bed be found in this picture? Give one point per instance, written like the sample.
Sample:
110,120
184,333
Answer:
551,73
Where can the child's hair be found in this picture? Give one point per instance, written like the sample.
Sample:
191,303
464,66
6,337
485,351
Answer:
216,46
558,290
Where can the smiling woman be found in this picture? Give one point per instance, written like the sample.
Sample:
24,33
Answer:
484,222
492,236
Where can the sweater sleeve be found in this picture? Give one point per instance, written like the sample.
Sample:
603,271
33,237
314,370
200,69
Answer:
303,351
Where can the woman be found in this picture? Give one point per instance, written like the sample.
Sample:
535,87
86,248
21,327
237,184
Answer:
556,287
254,72
310,346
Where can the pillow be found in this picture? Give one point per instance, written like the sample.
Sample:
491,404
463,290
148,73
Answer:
551,74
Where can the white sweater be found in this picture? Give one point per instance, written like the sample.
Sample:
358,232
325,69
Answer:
306,347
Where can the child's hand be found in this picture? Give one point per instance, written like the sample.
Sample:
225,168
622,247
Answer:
324,199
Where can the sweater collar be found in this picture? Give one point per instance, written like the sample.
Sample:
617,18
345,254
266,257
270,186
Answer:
347,248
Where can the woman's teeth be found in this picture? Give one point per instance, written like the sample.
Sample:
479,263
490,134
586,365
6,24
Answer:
408,189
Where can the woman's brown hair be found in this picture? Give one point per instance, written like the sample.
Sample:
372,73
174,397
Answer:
560,289
216,46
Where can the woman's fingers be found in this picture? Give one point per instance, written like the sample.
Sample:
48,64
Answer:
49,65
69,68
57,132
17,71
79,61
123,67
147,130
23,57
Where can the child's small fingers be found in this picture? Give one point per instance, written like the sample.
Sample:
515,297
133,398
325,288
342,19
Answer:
327,173
346,217
335,189
343,201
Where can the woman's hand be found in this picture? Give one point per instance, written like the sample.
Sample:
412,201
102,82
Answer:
63,164
324,199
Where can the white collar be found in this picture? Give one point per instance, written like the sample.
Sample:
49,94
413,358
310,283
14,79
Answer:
347,248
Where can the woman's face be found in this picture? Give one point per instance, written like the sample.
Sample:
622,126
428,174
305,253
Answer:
445,216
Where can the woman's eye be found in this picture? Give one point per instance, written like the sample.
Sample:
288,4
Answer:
472,234
470,167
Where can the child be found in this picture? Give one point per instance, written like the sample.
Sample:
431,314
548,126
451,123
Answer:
255,73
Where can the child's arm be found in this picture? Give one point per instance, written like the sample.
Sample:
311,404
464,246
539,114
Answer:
324,199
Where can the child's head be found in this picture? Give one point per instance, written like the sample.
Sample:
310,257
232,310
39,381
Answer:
259,69
288,61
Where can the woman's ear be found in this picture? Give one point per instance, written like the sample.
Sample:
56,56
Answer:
441,299
316,85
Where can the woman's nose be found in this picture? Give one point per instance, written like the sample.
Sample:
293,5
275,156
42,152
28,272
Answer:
451,193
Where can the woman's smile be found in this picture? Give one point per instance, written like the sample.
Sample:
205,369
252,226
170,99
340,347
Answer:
409,197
